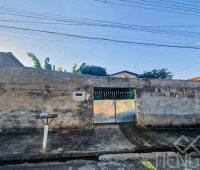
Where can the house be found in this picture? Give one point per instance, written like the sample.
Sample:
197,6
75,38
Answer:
124,74
195,78
9,60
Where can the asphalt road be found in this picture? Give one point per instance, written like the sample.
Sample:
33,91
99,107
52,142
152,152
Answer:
98,165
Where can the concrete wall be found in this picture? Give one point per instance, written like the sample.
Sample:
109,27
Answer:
25,92
169,103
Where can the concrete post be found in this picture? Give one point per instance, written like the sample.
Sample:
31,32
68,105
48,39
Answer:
44,144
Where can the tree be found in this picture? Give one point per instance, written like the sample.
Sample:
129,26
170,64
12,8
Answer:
60,69
92,70
74,68
83,69
157,73
36,62
47,66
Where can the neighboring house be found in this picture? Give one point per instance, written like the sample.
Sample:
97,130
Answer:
9,60
195,78
124,74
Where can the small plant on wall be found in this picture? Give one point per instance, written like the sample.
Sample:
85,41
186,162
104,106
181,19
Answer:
83,69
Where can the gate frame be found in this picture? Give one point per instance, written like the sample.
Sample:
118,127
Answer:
136,107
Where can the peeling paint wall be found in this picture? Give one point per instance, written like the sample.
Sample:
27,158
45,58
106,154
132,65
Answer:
25,92
168,106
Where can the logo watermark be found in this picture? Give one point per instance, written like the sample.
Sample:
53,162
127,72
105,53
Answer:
186,156
183,149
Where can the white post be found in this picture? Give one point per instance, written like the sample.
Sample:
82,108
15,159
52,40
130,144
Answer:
44,144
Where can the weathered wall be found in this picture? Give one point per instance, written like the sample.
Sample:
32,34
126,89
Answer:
169,103
25,92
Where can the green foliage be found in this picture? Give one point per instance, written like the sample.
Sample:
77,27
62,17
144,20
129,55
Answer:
92,70
157,73
83,69
59,69
36,62
74,68
78,72
47,66
65,71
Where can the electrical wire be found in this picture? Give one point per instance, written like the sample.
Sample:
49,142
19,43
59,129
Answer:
124,26
154,8
99,38
163,5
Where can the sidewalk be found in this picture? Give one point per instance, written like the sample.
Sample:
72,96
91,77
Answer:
62,144
91,142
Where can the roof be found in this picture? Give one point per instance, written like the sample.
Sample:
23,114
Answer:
125,71
195,78
9,60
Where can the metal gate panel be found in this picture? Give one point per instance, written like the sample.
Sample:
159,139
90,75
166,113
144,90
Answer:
104,111
125,110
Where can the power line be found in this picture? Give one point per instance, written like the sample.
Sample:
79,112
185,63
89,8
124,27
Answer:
40,34
107,35
107,24
99,38
36,22
149,8
164,5
58,40
91,24
50,15
69,19
151,29
181,3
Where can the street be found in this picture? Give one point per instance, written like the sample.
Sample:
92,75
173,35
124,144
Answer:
106,165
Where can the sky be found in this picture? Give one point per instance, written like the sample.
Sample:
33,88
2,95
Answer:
64,50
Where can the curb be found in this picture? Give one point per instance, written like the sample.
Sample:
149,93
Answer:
16,158
68,155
